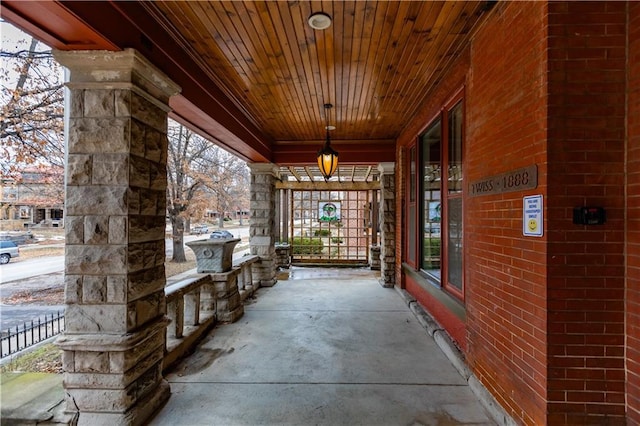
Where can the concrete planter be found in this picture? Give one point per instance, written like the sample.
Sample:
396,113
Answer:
214,255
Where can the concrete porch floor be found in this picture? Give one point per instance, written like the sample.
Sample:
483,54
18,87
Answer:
324,347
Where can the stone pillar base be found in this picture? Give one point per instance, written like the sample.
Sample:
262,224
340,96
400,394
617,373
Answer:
140,413
229,307
374,257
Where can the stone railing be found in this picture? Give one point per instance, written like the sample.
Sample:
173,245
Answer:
194,304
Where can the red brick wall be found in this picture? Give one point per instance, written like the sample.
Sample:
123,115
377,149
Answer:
585,284
633,219
545,85
506,271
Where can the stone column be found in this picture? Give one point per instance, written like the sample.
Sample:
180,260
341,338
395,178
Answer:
262,231
116,180
387,216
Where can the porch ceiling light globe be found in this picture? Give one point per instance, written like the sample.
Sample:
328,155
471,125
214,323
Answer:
319,21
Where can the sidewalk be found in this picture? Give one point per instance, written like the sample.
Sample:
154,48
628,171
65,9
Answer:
330,349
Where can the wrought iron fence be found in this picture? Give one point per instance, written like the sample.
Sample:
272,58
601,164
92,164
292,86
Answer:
31,333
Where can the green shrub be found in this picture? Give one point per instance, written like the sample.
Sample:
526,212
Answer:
321,233
432,247
431,253
336,240
303,245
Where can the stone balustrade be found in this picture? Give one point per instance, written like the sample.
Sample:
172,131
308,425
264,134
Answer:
195,304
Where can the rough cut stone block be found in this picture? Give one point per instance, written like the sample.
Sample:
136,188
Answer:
95,260
96,200
98,135
116,289
109,400
76,103
72,289
139,172
154,145
158,176
122,103
125,360
149,203
88,362
110,169
145,282
94,289
143,310
99,103
74,229
96,229
148,113
232,316
145,228
95,318
79,169
117,230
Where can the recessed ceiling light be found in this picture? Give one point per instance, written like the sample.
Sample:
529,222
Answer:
320,21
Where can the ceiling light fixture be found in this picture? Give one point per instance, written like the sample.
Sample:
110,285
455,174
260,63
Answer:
327,156
319,21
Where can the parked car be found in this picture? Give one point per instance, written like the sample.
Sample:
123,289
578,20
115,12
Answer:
8,250
200,229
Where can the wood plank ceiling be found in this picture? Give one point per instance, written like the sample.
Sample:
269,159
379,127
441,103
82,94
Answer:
376,63
255,75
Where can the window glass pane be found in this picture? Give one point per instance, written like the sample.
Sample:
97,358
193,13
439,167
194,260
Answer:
412,175
431,202
454,239
455,149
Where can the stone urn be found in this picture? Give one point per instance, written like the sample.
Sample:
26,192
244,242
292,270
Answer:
216,253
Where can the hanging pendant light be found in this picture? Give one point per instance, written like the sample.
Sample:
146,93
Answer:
327,156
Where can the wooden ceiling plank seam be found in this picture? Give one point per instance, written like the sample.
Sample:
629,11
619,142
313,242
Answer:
443,63
291,92
403,25
248,20
316,73
376,61
192,19
307,121
444,16
229,50
369,97
412,52
143,19
313,100
341,57
350,75
359,51
346,49
292,56
233,57
263,24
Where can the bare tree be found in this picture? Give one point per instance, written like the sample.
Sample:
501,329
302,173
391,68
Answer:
31,120
31,108
200,174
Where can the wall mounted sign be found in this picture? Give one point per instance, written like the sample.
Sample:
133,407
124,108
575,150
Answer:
329,211
532,223
515,180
